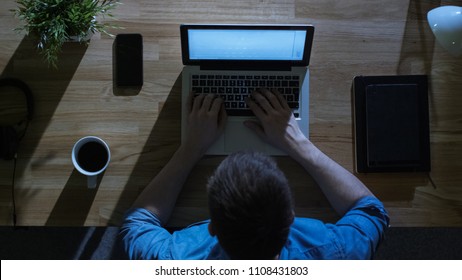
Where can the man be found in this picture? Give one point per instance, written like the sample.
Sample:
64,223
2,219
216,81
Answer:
250,203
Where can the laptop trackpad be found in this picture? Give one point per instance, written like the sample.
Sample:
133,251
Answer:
239,137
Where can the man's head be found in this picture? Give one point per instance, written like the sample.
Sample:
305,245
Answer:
250,206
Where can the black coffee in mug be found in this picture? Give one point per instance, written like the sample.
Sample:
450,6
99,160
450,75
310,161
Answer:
92,156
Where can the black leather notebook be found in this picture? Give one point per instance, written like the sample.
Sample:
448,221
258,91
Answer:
391,123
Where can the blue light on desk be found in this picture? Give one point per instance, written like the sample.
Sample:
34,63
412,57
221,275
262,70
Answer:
446,24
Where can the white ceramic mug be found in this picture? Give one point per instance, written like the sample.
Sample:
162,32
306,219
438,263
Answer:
446,24
91,156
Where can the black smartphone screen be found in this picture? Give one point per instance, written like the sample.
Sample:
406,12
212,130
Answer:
129,60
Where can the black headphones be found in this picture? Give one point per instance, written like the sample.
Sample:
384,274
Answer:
9,139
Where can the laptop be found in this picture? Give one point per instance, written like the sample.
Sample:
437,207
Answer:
233,60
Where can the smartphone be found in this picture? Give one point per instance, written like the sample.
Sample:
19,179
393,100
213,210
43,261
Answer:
129,60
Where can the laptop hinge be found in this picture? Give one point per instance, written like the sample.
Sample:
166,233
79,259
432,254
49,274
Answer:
246,66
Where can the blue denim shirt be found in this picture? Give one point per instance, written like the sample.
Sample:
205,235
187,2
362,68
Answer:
355,236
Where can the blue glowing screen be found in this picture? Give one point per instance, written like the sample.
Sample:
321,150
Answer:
222,44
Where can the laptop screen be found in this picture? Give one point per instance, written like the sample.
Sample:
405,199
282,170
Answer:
245,43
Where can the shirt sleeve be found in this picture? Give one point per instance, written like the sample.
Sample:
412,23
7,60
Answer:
142,235
362,228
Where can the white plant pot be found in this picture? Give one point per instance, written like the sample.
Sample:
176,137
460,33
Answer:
86,38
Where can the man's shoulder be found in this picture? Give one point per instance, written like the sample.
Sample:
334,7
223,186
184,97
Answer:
369,207
303,227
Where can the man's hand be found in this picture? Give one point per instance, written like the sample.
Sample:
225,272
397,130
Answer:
206,121
277,124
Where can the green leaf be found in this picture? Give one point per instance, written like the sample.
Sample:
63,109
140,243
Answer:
53,21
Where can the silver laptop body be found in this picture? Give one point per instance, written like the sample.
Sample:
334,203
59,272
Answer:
219,59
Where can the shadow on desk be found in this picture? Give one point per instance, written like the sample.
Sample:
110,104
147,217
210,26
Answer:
48,86
74,202
162,142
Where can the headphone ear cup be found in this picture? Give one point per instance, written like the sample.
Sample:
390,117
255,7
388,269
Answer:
9,142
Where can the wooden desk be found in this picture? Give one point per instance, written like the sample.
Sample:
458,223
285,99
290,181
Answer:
143,128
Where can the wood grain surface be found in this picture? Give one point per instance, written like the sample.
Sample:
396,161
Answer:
142,128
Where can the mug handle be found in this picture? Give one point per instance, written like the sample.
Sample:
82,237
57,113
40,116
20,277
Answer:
92,181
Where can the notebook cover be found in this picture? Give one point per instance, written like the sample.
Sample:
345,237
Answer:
391,123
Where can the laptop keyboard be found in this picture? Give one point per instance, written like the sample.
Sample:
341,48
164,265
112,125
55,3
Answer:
234,89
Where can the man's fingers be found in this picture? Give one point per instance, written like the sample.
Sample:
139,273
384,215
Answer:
255,108
207,103
197,102
217,103
218,110
271,96
262,100
222,117
281,99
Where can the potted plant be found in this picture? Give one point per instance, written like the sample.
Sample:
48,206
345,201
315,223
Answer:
54,22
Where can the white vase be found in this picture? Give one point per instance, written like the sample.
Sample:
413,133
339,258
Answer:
85,38
446,24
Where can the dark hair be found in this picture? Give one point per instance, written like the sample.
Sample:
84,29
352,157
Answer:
250,206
